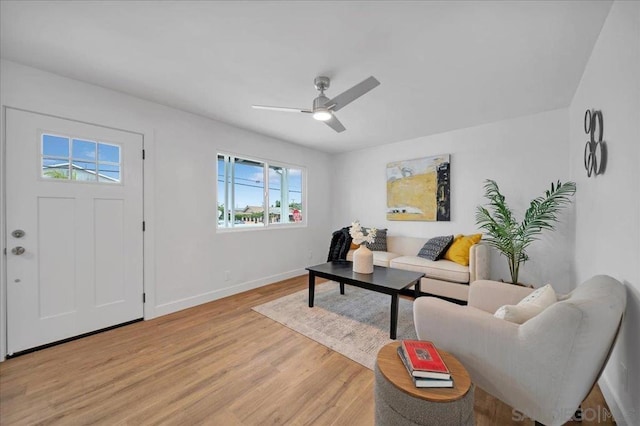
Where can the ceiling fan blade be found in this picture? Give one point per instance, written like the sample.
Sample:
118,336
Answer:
284,109
335,124
350,95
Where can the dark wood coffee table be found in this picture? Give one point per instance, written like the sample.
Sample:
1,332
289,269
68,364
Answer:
383,280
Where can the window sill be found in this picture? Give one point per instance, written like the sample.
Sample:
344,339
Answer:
261,228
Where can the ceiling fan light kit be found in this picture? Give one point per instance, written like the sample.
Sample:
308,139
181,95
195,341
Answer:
323,108
322,114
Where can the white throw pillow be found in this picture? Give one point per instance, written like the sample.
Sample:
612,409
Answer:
528,307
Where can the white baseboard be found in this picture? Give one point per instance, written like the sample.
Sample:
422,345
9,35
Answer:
621,418
190,302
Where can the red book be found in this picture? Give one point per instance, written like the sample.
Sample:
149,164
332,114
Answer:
423,356
426,379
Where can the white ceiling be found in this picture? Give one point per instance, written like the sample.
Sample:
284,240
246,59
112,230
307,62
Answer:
442,65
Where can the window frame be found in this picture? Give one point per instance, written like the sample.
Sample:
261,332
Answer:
229,196
70,159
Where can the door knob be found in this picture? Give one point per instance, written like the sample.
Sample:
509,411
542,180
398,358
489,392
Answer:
17,250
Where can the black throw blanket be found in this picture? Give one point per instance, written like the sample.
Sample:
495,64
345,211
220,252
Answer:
340,244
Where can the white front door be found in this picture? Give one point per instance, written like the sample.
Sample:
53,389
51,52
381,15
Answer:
74,191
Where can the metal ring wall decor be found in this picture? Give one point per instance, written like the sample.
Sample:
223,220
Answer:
595,151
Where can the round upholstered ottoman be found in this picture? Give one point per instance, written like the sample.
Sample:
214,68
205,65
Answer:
398,402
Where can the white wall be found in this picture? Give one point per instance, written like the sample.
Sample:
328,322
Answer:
522,155
185,257
608,206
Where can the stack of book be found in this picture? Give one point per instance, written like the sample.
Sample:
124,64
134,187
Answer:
424,364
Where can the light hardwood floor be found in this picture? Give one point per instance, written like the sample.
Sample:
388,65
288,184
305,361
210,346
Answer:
215,364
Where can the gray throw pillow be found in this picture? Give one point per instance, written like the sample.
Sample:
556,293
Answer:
380,243
436,247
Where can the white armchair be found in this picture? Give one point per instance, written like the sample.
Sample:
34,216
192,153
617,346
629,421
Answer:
544,367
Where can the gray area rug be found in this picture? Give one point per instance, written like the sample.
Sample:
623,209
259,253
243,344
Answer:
355,324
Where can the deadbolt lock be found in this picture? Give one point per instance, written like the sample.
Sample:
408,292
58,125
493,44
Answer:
18,233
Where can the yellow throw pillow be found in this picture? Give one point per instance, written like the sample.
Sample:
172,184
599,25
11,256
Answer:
459,250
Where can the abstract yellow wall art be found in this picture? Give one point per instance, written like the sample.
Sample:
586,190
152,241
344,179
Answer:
419,189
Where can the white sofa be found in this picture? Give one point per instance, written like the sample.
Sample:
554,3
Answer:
443,278
544,367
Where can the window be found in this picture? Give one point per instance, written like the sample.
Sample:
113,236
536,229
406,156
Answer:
243,195
70,159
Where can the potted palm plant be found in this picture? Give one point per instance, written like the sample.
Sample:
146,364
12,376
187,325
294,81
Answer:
506,234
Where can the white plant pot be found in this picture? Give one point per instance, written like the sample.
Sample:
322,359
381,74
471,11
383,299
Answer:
363,260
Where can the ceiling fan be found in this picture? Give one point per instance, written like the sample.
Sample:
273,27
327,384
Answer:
323,108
